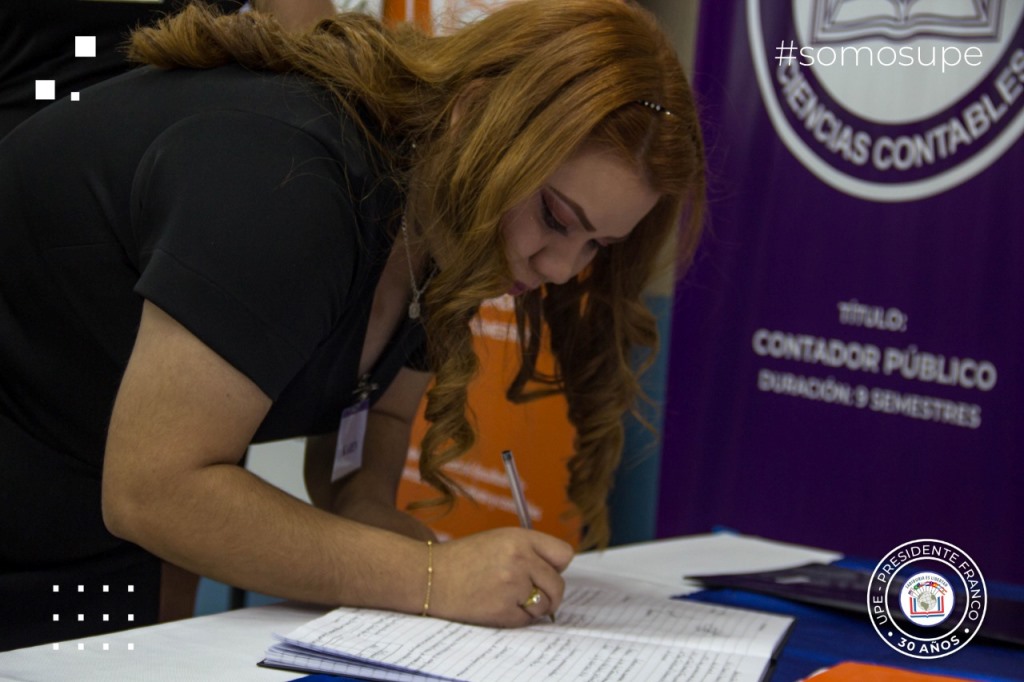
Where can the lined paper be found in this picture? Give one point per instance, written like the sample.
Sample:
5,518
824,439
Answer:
601,635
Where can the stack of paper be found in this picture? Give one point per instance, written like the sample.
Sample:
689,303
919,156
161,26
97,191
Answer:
601,634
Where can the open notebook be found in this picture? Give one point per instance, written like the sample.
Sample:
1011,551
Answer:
601,634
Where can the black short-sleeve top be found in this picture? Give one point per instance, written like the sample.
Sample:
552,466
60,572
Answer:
245,204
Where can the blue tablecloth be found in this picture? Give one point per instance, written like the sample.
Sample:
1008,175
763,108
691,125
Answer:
823,637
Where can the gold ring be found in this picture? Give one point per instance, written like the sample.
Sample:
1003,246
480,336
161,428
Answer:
534,598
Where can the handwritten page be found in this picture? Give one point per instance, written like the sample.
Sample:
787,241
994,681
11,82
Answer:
601,635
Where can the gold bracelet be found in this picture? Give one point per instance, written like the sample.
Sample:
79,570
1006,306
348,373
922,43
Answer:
430,576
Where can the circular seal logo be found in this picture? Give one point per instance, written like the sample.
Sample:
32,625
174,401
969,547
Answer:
891,101
927,598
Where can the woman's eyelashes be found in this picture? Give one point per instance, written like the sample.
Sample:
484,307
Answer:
554,224
549,216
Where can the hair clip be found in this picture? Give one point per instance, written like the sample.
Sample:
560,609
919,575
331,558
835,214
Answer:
654,107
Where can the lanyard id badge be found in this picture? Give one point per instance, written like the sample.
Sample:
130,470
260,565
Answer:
348,453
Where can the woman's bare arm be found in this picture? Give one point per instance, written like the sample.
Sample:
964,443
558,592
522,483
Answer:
183,417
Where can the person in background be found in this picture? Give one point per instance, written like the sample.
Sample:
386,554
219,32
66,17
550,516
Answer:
38,41
267,234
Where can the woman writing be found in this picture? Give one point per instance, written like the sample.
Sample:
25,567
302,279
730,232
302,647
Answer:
268,231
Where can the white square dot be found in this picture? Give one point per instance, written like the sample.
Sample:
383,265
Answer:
81,588
81,646
81,617
106,646
74,97
56,647
85,46
106,617
131,617
131,588
131,647
106,588
56,588
46,90
56,617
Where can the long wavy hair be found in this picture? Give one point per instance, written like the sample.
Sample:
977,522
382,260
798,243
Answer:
533,82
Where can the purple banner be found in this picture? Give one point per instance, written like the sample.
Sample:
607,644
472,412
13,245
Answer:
847,354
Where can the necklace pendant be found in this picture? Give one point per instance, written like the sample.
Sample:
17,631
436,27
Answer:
414,310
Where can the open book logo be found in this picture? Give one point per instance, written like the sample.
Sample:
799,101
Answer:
890,100
928,599
837,21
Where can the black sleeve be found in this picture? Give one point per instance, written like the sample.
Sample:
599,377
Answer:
247,237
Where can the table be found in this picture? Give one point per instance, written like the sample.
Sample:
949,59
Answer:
227,646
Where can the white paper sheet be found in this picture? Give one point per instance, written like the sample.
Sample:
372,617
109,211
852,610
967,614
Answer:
658,567
601,635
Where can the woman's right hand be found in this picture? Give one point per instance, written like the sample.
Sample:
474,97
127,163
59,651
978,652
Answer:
485,578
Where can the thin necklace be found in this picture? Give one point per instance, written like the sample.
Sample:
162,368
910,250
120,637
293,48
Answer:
414,305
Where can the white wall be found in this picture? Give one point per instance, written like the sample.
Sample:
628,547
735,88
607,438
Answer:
679,19
280,463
